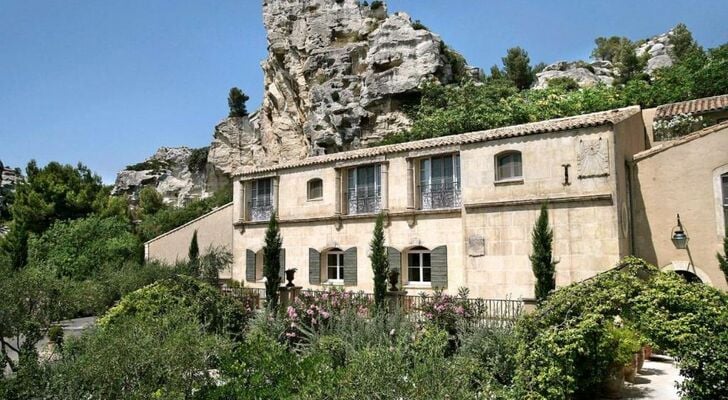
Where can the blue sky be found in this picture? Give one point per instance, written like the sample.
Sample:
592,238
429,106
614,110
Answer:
108,82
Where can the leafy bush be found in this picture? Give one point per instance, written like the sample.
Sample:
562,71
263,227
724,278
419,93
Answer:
169,356
446,311
216,312
198,159
677,126
149,165
313,311
77,249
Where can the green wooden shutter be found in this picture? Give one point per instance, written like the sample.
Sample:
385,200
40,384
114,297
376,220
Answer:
438,261
314,267
282,258
250,265
394,257
350,267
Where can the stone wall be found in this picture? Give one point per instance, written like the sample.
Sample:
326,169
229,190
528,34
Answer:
213,229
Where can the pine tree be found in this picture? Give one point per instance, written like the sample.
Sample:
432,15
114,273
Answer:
272,262
542,263
380,264
236,102
518,68
723,258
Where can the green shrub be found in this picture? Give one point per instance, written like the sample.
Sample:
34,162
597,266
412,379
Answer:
563,82
217,313
198,159
418,25
167,357
149,165
79,248
236,103
376,4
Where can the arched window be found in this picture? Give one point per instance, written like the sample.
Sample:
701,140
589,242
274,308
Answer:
315,189
508,166
335,265
419,265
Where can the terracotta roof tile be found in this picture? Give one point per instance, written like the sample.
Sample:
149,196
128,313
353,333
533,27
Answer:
697,106
552,125
682,140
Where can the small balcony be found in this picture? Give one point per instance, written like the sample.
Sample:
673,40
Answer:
440,195
260,209
364,200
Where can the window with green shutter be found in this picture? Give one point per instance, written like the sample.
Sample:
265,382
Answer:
314,267
439,267
250,273
350,267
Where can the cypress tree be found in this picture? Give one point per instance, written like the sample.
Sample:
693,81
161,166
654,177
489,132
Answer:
380,264
193,255
723,258
542,263
272,262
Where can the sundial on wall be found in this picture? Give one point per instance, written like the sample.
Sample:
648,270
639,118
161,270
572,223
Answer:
593,158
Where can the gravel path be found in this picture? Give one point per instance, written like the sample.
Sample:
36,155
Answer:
656,381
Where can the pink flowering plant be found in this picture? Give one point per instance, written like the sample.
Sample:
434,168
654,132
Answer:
313,310
447,311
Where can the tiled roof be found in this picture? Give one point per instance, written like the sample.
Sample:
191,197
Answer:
697,106
552,125
682,140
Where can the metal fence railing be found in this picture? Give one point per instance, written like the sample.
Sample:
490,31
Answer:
483,312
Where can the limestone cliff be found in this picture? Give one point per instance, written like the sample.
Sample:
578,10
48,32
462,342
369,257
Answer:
336,77
338,73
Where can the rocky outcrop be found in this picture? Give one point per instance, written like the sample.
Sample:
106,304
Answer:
338,73
169,172
584,74
9,177
656,50
236,143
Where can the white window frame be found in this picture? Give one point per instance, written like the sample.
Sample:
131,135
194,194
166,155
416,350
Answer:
425,176
421,267
258,199
515,177
339,279
309,196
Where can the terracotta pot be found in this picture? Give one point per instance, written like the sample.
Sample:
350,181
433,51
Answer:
613,383
640,359
648,351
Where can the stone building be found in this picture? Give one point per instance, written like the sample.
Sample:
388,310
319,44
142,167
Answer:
460,209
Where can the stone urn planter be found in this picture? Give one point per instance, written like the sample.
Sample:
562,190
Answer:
640,359
290,273
393,277
647,351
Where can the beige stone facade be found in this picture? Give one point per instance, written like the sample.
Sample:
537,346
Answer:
460,209
213,229
683,177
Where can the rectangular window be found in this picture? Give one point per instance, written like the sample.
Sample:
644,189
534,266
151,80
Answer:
364,190
335,266
509,166
261,199
419,267
440,182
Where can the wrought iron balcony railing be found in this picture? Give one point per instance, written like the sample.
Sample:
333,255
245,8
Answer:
261,208
364,200
440,195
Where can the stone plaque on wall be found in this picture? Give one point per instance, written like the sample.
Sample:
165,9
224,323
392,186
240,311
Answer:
476,246
593,158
